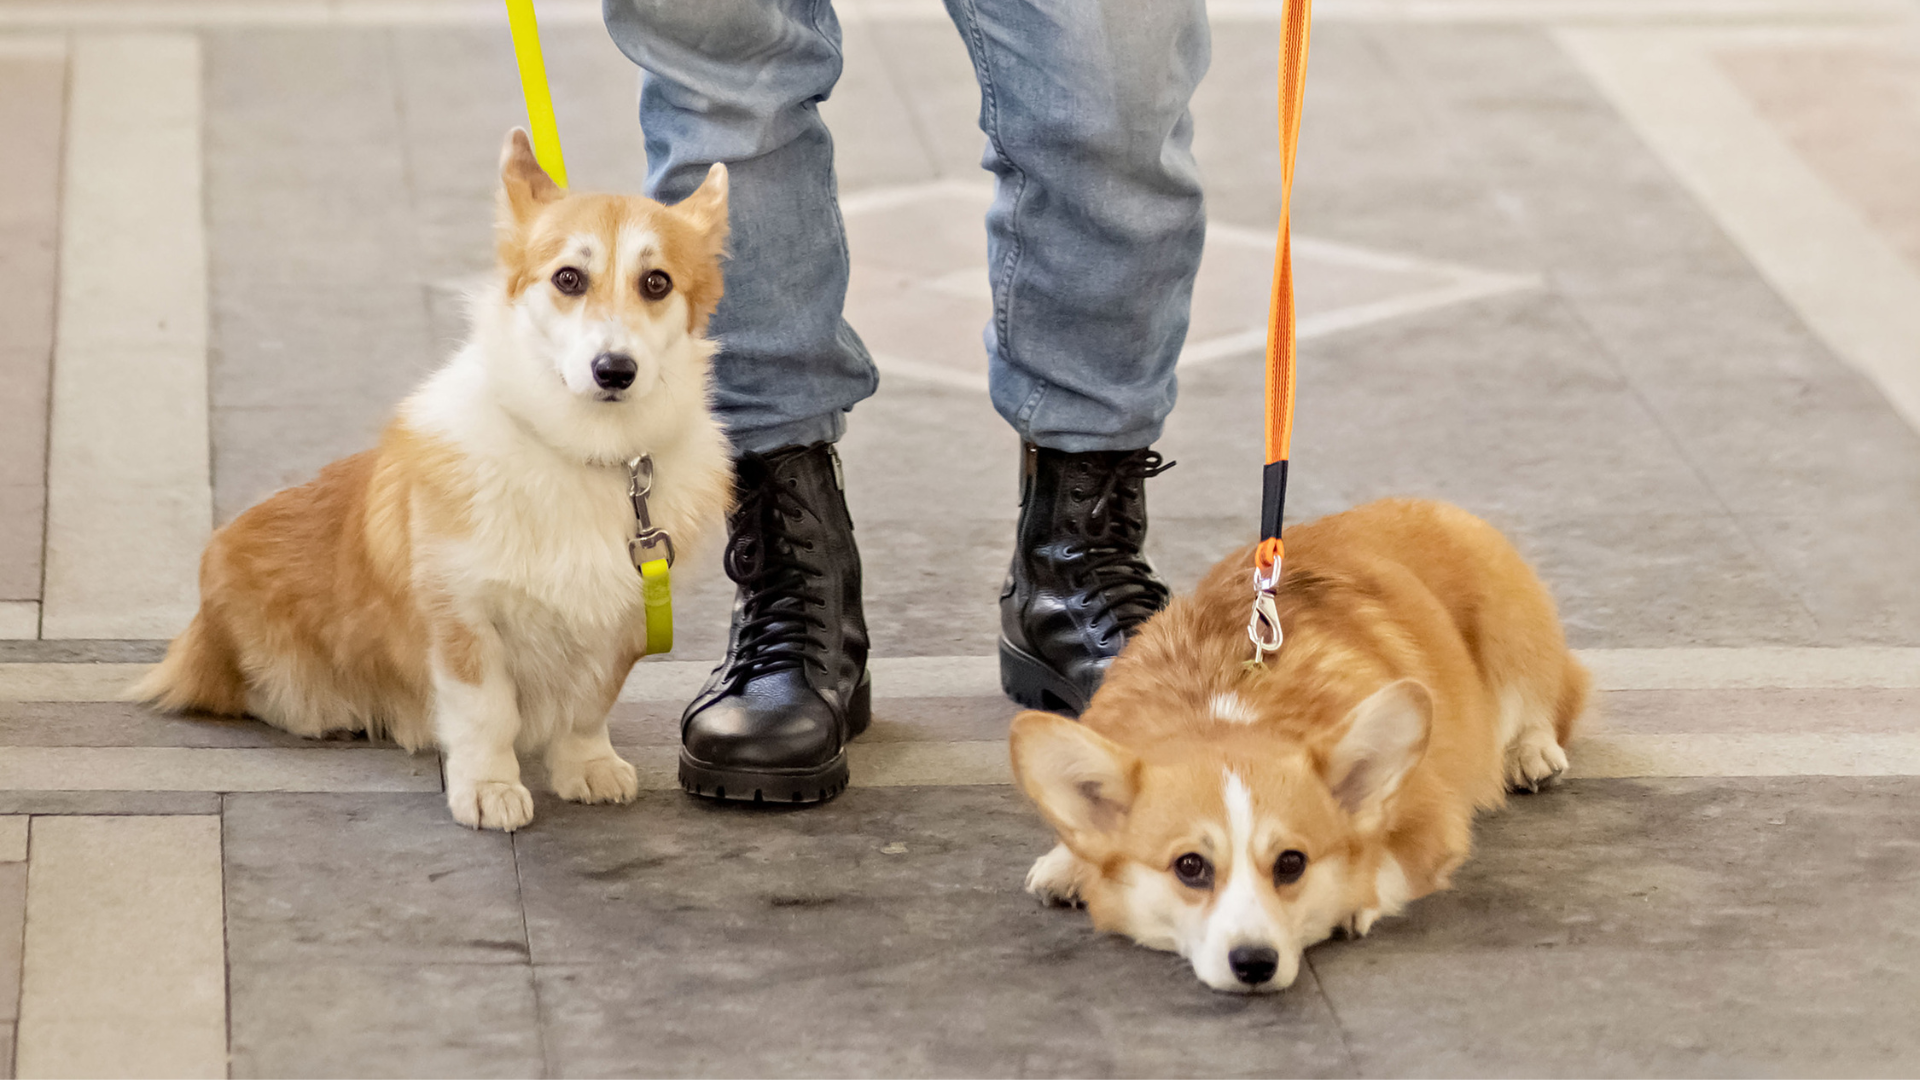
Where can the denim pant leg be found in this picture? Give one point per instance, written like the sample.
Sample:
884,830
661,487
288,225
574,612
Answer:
1095,232
739,81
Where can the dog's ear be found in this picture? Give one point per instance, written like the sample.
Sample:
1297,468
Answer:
706,208
1083,782
1380,742
524,185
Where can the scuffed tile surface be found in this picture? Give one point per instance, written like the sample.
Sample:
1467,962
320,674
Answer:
365,878
676,938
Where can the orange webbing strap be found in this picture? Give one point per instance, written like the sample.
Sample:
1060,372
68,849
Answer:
1264,628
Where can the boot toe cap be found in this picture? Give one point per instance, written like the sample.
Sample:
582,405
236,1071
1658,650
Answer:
759,731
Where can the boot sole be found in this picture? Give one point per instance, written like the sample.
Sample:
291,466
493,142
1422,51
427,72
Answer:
781,786
1030,681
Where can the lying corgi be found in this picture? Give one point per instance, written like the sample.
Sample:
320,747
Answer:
467,583
1237,814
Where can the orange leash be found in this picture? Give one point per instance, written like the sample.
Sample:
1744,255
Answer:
1264,626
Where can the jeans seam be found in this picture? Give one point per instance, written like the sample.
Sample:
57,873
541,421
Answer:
833,196
1010,264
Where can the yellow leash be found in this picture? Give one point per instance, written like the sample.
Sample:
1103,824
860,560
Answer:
651,549
533,84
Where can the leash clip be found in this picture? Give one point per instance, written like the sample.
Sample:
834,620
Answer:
648,539
1263,626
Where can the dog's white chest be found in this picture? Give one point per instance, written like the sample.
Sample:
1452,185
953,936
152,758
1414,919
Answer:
559,543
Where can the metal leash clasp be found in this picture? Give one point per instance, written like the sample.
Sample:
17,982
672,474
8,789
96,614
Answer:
648,539
1263,626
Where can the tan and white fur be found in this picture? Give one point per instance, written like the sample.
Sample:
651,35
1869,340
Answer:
1424,673
466,583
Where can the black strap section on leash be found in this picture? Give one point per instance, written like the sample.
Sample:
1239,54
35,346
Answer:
1273,498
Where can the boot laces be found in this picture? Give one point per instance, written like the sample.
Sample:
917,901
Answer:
1115,523
781,623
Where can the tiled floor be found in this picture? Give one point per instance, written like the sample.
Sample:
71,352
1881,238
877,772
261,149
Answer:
1639,280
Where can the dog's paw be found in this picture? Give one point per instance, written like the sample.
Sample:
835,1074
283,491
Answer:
1055,877
492,804
1357,925
1532,761
609,779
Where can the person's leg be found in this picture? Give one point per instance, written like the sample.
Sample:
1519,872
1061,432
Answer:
1093,240
739,81
1096,227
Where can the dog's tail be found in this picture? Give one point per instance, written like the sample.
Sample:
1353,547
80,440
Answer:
201,672
1576,686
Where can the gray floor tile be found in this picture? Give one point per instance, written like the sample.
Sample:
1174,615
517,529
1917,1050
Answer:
1128,1013
930,70
1762,863
914,452
1857,570
366,879
1631,580
142,803
674,936
876,131
331,1019
1769,416
1844,1010
103,723
22,530
1424,196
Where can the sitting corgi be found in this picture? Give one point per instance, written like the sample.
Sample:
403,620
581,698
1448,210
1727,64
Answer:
467,583
1238,813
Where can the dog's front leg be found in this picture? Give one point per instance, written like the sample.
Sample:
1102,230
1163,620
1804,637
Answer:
581,763
476,718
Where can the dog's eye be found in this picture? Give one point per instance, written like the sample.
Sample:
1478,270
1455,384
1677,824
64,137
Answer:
570,281
1289,866
1194,870
655,284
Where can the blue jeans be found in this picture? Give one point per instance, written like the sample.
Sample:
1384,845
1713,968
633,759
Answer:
1093,237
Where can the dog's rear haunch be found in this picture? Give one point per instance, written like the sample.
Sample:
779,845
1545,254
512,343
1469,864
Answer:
466,584
1238,813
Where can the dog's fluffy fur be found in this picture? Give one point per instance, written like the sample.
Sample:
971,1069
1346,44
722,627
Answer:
466,584
1424,673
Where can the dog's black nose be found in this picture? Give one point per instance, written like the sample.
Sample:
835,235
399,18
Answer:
1253,964
614,370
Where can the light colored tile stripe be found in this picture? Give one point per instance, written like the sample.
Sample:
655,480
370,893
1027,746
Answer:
129,504
19,620
172,768
899,676
117,13
13,841
1598,757
979,676
67,682
1853,288
1745,755
124,972
873,765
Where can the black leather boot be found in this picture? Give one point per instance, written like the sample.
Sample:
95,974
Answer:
772,724
1079,586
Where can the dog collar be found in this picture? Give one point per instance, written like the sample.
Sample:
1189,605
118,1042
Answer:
651,550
